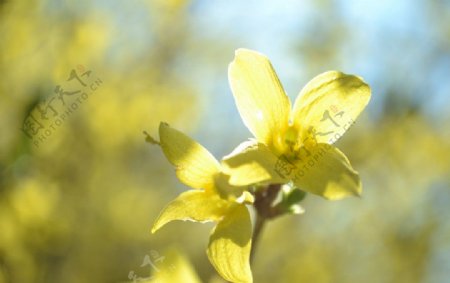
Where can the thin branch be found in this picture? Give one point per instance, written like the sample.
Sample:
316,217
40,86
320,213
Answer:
259,225
264,211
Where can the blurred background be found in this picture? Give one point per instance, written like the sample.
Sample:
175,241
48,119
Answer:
77,200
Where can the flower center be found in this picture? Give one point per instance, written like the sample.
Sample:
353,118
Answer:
287,143
291,139
291,146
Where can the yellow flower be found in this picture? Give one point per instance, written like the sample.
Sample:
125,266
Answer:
212,200
294,144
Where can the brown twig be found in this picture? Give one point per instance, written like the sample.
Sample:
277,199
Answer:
264,211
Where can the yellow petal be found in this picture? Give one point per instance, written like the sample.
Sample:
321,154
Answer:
329,104
253,163
195,166
226,190
230,244
197,206
259,95
327,172
174,268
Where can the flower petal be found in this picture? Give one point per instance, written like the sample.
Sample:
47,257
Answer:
230,244
327,172
259,95
252,163
195,166
329,104
197,206
230,192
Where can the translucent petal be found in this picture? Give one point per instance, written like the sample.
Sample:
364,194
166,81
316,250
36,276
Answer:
195,166
327,172
227,191
252,164
230,244
259,95
198,206
329,104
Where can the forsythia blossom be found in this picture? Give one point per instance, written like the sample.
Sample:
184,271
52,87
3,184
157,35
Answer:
290,146
294,144
212,200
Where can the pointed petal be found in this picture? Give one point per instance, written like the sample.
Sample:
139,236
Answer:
197,206
195,166
327,172
329,104
252,163
230,244
259,95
